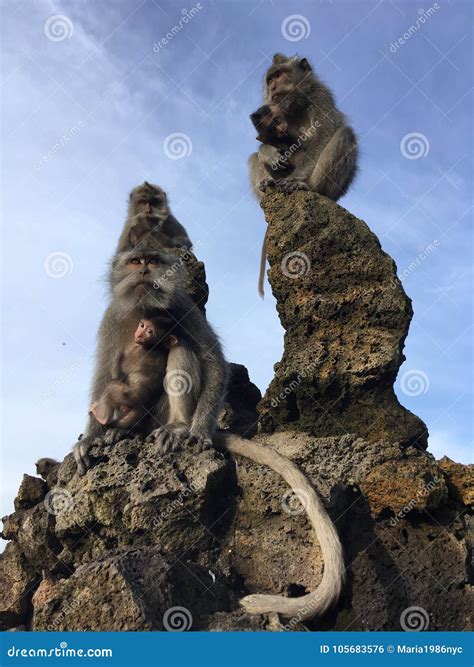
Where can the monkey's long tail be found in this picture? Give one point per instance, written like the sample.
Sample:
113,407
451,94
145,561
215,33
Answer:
263,261
315,603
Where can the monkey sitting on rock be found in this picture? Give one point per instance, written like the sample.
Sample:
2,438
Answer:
323,146
141,281
139,372
149,217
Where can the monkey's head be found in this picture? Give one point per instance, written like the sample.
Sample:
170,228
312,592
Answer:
287,79
146,333
145,279
149,201
271,124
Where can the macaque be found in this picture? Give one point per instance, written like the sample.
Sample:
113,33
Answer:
150,219
272,127
141,282
323,148
124,403
48,469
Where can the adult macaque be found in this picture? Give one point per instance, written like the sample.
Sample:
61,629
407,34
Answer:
141,282
149,218
324,147
139,372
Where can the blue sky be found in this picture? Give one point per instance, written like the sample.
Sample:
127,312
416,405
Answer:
87,115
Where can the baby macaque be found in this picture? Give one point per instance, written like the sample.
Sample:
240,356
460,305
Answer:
271,124
272,127
140,371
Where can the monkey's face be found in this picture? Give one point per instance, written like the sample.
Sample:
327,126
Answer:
271,124
144,278
146,333
284,78
148,200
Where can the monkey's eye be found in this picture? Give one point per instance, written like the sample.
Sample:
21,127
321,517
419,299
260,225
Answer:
135,261
153,260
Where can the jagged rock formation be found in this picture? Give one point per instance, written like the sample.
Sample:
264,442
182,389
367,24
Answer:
150,542
346,317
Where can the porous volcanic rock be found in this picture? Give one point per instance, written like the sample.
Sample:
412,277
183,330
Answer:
346,317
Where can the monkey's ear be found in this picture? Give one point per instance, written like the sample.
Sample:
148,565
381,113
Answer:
255,118
304,64
279,58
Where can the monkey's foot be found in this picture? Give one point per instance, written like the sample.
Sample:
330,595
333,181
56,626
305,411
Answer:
267,183
169,437
81,453
289,185
114,435
200,440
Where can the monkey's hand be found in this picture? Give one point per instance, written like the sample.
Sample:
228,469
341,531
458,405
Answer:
169,438
266,183
114,435
81,453
289,185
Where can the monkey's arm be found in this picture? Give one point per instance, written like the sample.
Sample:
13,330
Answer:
214,376
336,166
